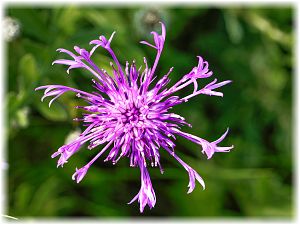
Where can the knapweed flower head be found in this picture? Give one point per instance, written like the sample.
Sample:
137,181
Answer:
129,118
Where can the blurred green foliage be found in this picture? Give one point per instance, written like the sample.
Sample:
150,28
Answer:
250,45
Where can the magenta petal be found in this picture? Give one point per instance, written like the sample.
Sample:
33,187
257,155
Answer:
146,43
146,195
220,84
73,67
65,62
79,174
95,42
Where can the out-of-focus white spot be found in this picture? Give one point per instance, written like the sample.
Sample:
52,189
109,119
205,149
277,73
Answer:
4,165
147,20
72,136
10,28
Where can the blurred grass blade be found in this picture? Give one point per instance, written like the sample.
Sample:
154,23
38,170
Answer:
268,29
233,26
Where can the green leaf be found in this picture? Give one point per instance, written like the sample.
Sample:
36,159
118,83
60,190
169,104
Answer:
43,195
23,196
104,18
22,117
28,72
67,20
11,103
55,113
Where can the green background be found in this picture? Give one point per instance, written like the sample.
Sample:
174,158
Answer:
253,46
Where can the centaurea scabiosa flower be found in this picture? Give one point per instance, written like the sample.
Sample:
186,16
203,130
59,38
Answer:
130,118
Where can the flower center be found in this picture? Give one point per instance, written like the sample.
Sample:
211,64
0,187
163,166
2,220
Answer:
132,115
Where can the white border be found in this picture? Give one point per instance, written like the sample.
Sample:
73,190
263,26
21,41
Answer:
119,3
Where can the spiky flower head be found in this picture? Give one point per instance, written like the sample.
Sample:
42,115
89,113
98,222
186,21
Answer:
131,119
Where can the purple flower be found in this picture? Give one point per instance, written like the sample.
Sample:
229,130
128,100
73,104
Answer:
131,119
